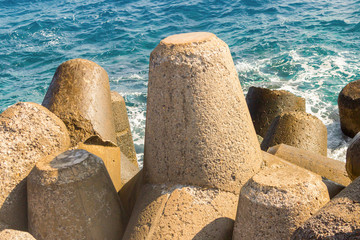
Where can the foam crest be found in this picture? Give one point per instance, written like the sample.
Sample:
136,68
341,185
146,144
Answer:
319,79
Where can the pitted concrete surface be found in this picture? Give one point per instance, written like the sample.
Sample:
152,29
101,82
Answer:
198,127
28,132
79,94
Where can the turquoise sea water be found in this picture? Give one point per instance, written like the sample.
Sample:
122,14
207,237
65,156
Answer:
310,48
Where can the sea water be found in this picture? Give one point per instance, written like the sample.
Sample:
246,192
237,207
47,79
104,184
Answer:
310,48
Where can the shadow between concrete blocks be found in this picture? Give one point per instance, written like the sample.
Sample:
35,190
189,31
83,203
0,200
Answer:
13,212
216,226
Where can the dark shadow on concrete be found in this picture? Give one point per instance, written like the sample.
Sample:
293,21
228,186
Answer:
220,228
13,212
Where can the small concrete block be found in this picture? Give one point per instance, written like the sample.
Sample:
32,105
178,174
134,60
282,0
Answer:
266,104
71,196
297,129
276,201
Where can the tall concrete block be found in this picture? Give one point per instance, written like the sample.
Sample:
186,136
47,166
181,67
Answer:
79,94
339,219
71,197
198,127
277,200
28,132
200,144
331,169
349,108
122,127
297,129
266,104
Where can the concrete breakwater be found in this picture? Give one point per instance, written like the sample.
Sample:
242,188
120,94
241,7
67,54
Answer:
68,170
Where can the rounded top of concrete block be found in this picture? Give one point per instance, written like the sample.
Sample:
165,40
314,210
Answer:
79,94
70,166
351,91
293,176
186,38
69,158
290,183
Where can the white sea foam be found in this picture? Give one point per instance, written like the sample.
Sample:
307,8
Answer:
137,119
133,76
312,82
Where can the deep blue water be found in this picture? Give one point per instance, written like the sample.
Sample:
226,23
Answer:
310,48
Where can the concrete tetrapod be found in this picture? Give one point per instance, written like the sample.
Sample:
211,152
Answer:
276,201
339,219
71,197
206,136
11,234
265,104
79,94
297,129
349,108
200,144
122,127
28,132
329,168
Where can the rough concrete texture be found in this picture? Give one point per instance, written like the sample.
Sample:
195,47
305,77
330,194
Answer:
331,169
71,197
272,161
79,94
128,169
109,153
11,234
339,219
349,108
198,127
298,129
276,201
122,127
182,212
265,104
353,158
28,132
